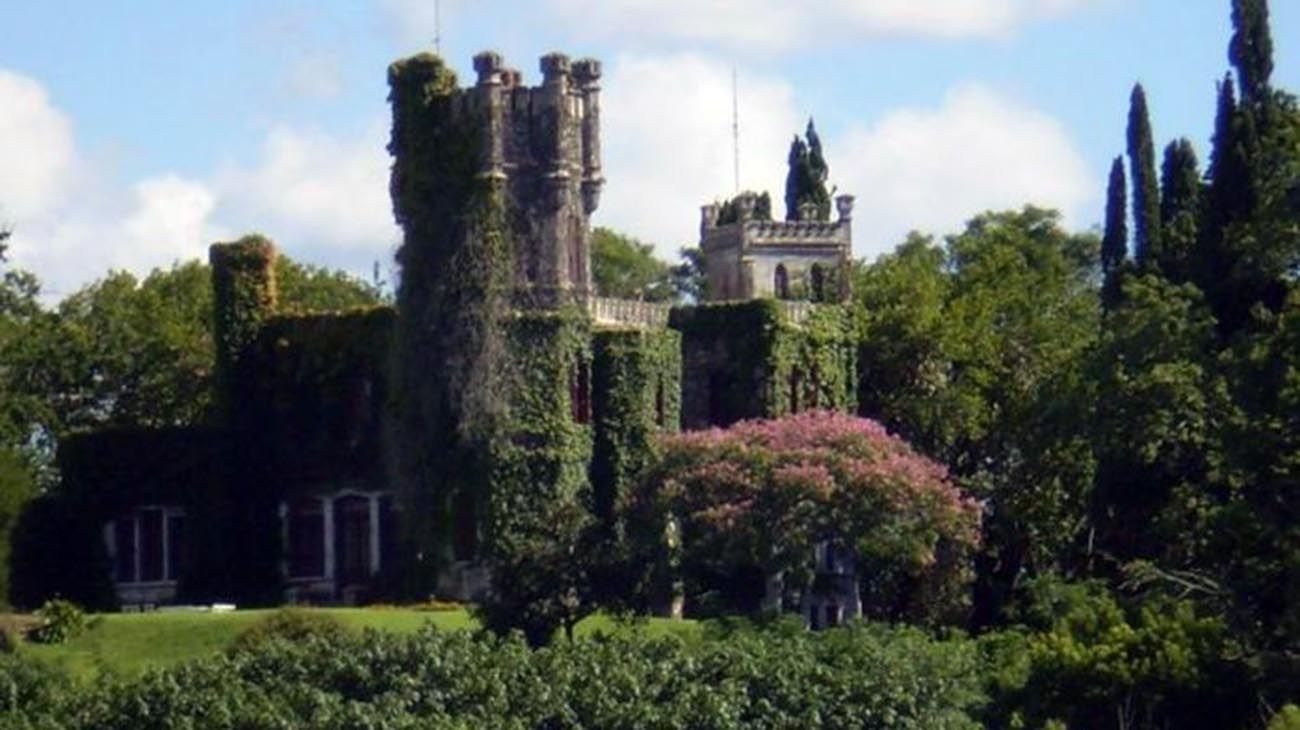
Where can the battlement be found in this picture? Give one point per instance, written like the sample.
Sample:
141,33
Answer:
541,145
751,256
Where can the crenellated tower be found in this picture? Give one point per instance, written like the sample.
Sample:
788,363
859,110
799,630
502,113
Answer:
541,144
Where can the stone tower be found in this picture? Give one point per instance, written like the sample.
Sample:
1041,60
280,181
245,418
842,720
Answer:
748,256
542,145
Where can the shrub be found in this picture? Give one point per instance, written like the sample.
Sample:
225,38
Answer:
758,497
294,625
60,620
866,677
1287,719
27,685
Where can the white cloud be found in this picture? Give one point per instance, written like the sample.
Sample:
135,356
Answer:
932,169
777,24
323,198
313,190
37,152
668,150
668,145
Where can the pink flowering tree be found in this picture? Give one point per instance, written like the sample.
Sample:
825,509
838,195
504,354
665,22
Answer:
751,503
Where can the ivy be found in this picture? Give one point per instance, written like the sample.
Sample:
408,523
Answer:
636,394
751,360
243,290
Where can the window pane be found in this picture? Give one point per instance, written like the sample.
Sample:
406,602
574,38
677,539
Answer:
151,548
124,557
177,560
306,540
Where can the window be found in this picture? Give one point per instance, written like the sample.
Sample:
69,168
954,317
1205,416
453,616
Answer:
147,545
352,538
818,275
580,391
661,415
781,282
306,539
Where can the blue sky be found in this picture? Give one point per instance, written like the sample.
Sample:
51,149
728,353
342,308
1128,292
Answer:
132,134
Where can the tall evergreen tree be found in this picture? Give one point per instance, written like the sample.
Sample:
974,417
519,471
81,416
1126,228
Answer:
805,183
1146,192
1180,204
1251,49
1114,242
797,161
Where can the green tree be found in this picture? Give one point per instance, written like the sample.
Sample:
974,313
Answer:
1146,193
974,353
805,182
689,277
1114,240
1251,48
1180,210
625,268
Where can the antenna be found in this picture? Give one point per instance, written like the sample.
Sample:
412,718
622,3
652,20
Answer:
735,127
437,26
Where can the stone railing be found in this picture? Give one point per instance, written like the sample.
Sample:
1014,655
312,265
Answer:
810,231
628,312
797,312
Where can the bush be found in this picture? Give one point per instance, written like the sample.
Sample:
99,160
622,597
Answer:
864,677
60,620
1086,659
27,685
294,625
1287,719
755,500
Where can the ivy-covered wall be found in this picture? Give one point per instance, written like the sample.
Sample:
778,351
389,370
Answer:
244,296
58,544
749,359
449,343
636,394
540,456
315,389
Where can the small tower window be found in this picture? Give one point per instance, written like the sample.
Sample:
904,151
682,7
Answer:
580,391
661,416
781,282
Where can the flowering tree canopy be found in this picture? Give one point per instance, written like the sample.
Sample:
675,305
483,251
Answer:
759,496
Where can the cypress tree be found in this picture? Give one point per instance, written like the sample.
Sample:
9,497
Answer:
1114,242
818,173
1146,193
797,161
1231,194
1180,204
1251,49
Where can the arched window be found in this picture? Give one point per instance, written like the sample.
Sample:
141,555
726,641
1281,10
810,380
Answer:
781,282
818,283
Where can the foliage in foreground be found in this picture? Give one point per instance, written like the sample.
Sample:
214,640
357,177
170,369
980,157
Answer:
865,677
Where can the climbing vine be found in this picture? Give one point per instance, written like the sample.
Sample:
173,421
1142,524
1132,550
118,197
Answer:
752,360
636,395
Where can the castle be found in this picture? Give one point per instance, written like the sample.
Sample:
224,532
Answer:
360,453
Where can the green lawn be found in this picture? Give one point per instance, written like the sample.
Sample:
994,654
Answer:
131,642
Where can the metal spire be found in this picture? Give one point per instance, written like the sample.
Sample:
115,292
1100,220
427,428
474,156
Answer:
735,127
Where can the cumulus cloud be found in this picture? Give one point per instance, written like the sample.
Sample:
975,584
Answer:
322,197
668,149
779,24
37,152
666,128
316,191
932,169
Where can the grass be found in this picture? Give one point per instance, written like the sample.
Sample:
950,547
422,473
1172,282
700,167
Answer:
129,643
